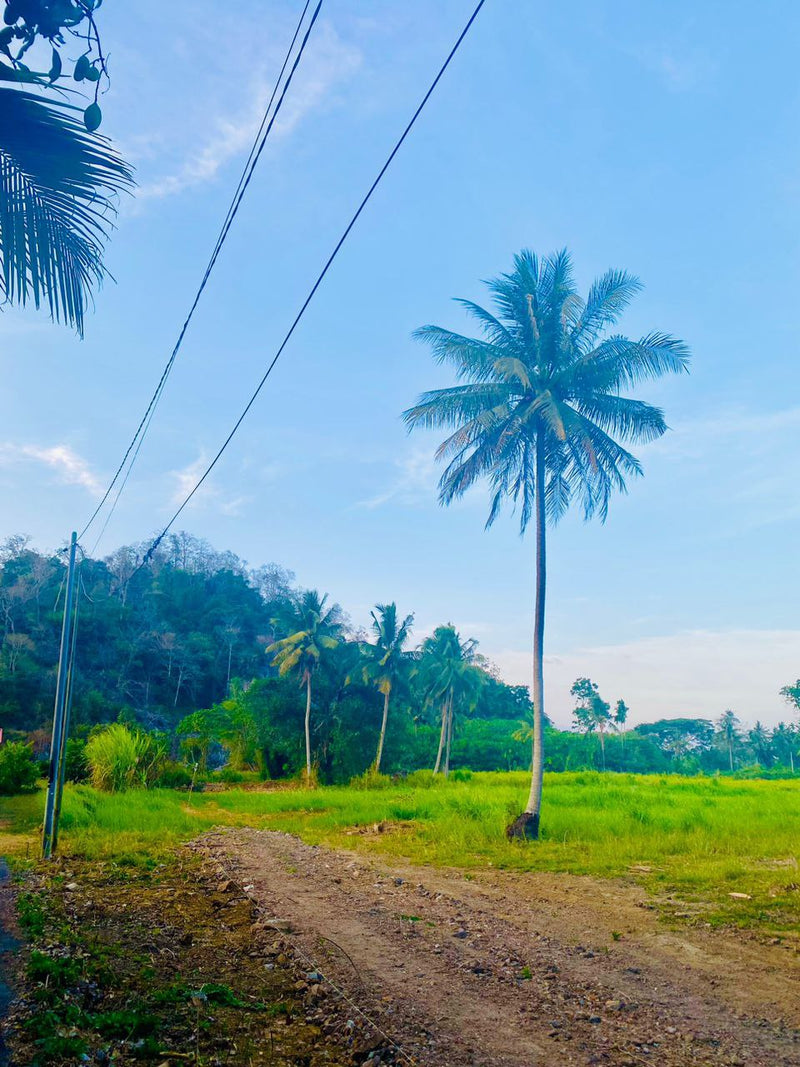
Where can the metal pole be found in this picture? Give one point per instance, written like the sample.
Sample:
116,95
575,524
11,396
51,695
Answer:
56,745
66,715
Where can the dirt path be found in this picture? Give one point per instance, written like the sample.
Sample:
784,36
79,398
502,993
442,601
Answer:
509,970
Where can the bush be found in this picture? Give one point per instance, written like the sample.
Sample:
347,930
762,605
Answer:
174,775
122,758
230,775
19,771
76,765
371,779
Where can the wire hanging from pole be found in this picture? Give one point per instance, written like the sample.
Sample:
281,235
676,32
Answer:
157,541
260,141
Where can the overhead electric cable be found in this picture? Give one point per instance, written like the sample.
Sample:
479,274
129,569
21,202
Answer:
244,180
154,545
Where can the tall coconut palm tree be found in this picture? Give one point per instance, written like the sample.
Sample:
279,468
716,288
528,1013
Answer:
449,678
58,184
728,732
540,414
311,630
385,662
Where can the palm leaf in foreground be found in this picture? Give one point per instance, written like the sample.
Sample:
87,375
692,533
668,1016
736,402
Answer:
540,415
58,185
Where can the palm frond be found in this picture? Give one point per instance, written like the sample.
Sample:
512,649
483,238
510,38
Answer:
57,197
621,363
545,379
473,359
608,297
632,420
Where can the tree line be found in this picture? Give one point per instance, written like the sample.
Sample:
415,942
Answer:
238,666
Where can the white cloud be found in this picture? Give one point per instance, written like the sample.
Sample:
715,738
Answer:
210,495
327,62
694,673
740,459
70,468
414,480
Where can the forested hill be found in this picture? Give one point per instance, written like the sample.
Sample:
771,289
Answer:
157,642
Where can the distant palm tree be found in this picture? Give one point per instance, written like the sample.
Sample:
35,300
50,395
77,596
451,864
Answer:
620,718
57,188
760,738
449,678
728,731
311,631
540,415
385,663
785,743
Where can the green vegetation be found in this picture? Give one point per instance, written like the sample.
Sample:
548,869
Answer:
58,180
127,965
178,650
541,416
120,758
695,838
18,771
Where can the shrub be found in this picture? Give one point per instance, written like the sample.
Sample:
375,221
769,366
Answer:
123,758
230,775
174,775
371,779
19,772
76,765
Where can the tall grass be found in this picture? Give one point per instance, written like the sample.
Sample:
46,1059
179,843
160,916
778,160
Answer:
120,758
700,837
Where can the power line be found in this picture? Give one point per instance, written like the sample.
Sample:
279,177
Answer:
244,180
156,542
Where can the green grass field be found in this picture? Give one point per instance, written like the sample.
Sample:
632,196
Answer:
702,838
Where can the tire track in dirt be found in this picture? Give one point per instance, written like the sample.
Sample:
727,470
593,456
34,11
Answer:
510,970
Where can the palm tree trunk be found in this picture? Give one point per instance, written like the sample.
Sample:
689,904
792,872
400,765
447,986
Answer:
382,738
308,726
730,753
441,739
449,736
603,749
526,825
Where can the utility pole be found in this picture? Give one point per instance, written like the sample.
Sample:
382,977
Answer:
58,744
66,716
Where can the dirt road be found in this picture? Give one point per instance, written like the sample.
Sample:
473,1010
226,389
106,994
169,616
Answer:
510,970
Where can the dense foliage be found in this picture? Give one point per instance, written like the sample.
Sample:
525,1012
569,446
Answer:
179,652
18,771
181,647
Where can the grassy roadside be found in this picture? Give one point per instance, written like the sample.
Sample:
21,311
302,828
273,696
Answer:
689,840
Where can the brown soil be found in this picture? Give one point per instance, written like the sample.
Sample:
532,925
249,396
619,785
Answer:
116,960
516,970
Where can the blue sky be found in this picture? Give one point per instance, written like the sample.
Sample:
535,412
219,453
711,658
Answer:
661,138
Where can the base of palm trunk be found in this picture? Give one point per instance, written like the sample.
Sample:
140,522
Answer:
524,828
